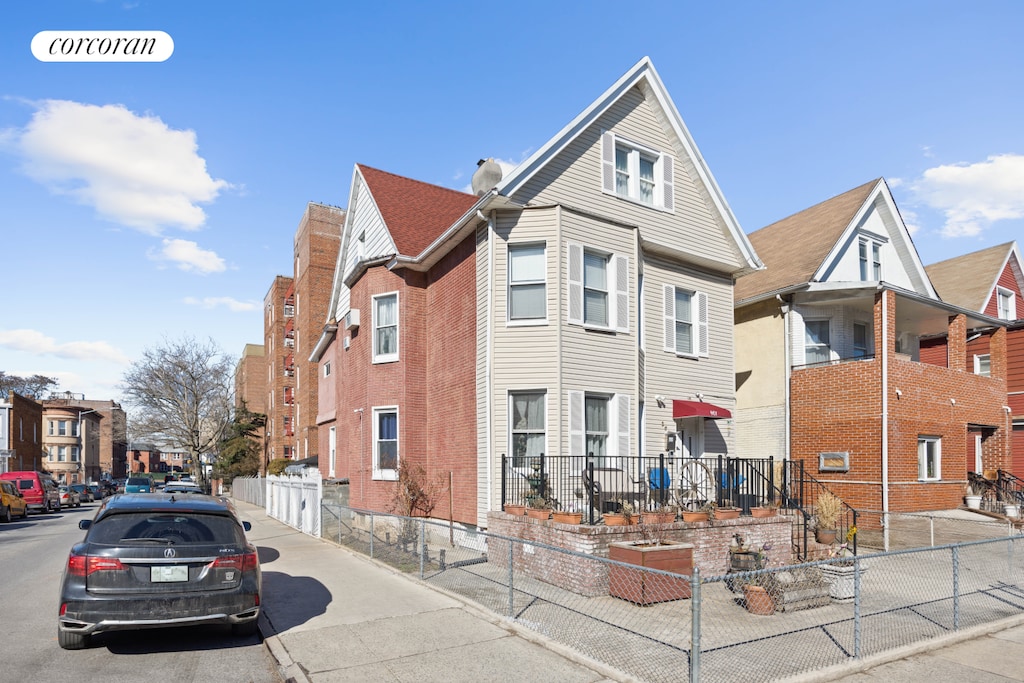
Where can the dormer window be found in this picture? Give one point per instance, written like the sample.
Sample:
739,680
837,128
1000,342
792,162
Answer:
870,252
1007,303
635,172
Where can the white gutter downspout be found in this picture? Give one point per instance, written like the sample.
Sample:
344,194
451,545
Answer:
885,420
788,358
489,365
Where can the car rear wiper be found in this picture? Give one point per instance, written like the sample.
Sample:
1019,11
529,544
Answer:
167,541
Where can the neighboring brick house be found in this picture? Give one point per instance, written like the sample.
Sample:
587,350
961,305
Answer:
143,459
110,459
581,304
991,281
834,367
21,433
294,313
251,388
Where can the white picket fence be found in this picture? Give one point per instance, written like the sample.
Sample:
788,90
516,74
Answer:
295,500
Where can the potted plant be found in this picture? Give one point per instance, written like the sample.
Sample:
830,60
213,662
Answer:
972,497
538,507
704,513
768,510
827,510
515,509
650,552
726,512
759,590
624,517
662,514
567,516
841,573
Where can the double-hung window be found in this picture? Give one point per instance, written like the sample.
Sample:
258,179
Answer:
870,255
686,321
929,458
817,347
527,288
636,172
983,365
527,427
598,289
860,340
385,443
385,328
599,426
1007,304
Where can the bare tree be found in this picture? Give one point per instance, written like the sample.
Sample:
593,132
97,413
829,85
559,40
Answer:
36,386
180,395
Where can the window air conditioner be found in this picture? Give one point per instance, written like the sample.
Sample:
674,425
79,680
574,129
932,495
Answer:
352,319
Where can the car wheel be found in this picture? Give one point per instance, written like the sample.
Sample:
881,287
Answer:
247,628
5,514
24,512
71,641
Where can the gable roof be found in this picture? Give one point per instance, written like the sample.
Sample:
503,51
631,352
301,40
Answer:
415,213
816,230
969,280
644,75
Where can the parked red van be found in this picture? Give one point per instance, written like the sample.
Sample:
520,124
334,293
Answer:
39,489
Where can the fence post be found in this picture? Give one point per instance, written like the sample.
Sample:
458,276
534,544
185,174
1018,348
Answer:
511,590
856,607
695,626
956,588
423,544
504,480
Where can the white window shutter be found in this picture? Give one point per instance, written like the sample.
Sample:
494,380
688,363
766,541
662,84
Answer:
577,425
622,424
670,318
620,265
608,162
575,269
702,323
667,183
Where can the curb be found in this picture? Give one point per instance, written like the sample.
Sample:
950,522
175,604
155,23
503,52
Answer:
290,671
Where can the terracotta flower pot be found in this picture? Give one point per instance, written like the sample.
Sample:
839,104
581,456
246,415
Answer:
762,512
535,513
657,517
618,519
758,600
727,513
516,510
694,516
825,536
567,517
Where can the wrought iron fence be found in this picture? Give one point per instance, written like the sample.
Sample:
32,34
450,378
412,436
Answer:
663,626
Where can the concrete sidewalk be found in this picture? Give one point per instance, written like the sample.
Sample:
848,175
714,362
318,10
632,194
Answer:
332,615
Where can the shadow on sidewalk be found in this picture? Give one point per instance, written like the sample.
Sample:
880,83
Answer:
290,601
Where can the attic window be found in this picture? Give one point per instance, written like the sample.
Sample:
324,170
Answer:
870,252
635,172
1007,304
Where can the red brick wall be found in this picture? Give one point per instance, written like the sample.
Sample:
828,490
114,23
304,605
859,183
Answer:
273,342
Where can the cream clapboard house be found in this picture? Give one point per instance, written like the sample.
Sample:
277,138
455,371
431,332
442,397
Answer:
581,304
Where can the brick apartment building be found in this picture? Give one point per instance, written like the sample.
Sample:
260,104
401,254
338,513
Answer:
112,447
294,311
251,385
21,420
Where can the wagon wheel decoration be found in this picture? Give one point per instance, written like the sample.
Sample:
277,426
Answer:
696,485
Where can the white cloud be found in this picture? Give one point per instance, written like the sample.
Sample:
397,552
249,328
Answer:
190,257
211,302
973,196
133,169
38,344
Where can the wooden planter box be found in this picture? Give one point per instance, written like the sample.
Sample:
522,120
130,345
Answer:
641,587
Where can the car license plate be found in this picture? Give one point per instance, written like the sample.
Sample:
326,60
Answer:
168,573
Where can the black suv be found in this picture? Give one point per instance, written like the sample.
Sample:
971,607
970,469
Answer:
157,560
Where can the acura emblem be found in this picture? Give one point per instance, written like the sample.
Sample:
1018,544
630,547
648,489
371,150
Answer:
169,552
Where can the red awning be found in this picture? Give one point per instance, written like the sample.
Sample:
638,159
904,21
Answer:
698,409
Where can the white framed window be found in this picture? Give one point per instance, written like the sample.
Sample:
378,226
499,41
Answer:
332,451
817,344
62,427
870,254
527,289
635,172
983,364
598,289
686,321
1007,304
385,328
599,425
61,453
385,443
50,427
74,453
861,346
74,427
327,369
929,458
527,426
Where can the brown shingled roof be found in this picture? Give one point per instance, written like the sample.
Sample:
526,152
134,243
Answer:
967,280
794,248
415,212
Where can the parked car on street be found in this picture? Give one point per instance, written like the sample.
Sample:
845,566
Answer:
97,491
69,497
84,494
12,502
39,489
158,560
177,487
138,485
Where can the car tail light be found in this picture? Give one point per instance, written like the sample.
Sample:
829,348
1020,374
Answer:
246,562
83,565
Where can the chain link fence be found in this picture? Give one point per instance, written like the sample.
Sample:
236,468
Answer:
908,530
659,625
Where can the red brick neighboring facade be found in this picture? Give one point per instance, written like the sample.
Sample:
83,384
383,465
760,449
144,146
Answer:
839,408
279,342
24,431
110,459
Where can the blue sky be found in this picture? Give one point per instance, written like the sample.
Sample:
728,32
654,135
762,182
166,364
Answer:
144,201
